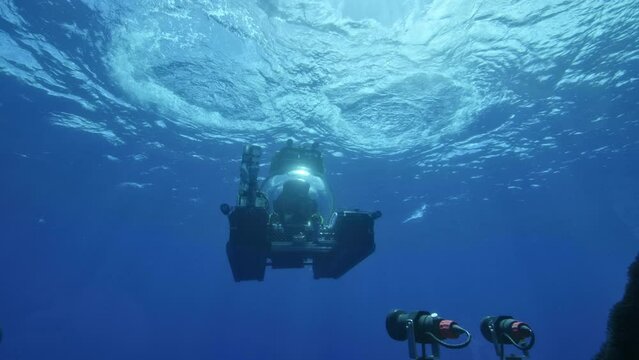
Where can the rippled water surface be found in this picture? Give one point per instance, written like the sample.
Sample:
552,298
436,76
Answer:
433,80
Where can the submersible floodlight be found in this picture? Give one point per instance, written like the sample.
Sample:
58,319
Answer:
424,328
504,329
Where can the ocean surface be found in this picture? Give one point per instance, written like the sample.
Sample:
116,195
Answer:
500,140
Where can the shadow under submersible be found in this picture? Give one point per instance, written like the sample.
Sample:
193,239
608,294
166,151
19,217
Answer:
280,223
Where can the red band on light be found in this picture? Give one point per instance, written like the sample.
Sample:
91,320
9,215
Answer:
517,332
446,329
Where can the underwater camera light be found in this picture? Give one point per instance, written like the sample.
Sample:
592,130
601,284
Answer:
424,328
505,330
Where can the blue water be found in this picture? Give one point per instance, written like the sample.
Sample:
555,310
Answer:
499,138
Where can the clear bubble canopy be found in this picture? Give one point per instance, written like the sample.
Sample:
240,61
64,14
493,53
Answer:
318,189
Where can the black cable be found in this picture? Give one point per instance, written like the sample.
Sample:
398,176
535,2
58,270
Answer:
526,347
452,346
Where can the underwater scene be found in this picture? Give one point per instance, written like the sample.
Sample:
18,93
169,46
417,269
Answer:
319,179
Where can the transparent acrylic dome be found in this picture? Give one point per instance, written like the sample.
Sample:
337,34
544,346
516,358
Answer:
318,189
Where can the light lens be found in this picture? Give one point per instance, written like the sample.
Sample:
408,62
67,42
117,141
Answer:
300,172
